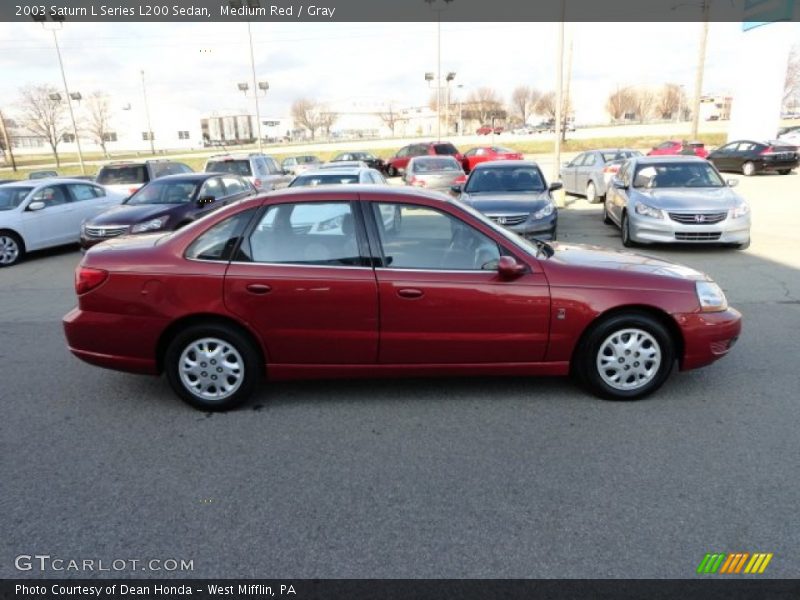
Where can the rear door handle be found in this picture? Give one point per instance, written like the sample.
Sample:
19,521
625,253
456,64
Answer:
410,293
259,288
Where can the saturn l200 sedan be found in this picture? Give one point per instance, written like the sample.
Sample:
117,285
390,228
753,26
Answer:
315,283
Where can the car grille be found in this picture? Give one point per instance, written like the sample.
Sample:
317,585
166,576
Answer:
508,219
104,232
698,218
698,236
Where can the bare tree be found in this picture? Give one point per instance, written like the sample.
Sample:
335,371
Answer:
523,102
99,118
326,121
391,117
484,103
669,101
620,102
791,88
547,105
643,102
43,115
308,114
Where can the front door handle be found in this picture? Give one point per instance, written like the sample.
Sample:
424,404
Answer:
410,293
259,288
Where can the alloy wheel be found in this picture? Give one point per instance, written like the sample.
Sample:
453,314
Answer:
629,359
211,369
9,250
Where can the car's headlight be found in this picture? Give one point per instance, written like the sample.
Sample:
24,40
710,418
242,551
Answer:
151,225
741,210
544,212
649,211
711,296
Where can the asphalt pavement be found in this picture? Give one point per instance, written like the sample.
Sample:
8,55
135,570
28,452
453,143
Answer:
505,477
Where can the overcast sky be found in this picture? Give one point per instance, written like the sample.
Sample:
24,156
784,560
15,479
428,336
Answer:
197,65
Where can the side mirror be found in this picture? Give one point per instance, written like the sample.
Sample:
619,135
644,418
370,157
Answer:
36,205
556,185
509,268
732,182
206,200
456,189
617,183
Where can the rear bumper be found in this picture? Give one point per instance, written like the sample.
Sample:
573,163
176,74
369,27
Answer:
708,336
105,340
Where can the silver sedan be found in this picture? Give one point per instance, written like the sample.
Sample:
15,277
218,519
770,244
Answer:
588,173
437,173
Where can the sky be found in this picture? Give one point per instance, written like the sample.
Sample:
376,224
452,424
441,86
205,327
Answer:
197,65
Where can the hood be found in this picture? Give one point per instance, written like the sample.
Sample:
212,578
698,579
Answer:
618,260
506,202
690,199
126,214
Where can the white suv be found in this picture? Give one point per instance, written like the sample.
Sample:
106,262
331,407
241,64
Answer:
259,169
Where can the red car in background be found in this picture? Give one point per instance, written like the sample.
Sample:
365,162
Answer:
384,282
481,154
488,130
397,164
674,147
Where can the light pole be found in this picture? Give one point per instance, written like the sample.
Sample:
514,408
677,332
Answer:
701,64
559,92
450,77
59,21
438,64
150,135
7,141
262,86
256,87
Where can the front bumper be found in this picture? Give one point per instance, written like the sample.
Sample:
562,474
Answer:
646,230
708,336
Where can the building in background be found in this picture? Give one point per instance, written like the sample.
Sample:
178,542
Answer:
716,107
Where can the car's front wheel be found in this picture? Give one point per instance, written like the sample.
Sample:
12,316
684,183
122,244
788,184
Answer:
627,241
591,192
749,168
11,248
391,171
784,171
212,367
625,357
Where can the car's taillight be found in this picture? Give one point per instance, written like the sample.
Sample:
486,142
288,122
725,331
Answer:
257,183
132,191
417,182
767,150
86,279
460,179
611,169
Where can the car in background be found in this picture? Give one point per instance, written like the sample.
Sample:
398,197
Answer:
345,164
81,177
259,169
263,289
549,126
523,130
42,214
589,173
438,173
489,130
474,156
294,165
397,164
513,194
342,175
674,147
42,174
372,161
2,181
676,199
166,204
750,157
125,177
790,135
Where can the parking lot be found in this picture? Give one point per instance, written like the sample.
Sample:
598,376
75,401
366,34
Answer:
416,478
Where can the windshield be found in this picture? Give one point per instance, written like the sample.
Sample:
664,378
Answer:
431,165
505,179
121,175
332,178
12,195
677,175
236,167
164,192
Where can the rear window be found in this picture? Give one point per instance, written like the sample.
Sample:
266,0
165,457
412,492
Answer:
430,165
122,174
162,169
236,167
445,149
333,178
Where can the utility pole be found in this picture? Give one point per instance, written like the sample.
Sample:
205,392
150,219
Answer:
439,75
147,114
566,102
69,104
701,63
7,142
255,88
559,93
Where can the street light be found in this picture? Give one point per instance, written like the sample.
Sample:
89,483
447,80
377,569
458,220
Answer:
59,20
438,63
261,86
147,115
450,77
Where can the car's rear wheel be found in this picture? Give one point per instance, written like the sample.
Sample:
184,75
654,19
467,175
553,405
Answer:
749,169
625,357
626,232
591,192
11,248
784,171
212,367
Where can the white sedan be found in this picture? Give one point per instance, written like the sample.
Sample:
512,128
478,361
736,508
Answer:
48,212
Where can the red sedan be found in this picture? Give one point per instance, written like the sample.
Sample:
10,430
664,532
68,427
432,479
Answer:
377,282
485,153
489,130
674,147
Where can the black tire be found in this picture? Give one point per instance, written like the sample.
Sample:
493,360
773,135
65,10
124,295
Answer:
12,248
748,169
625,230
248,362
606,219
784,171
391,171
597,340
